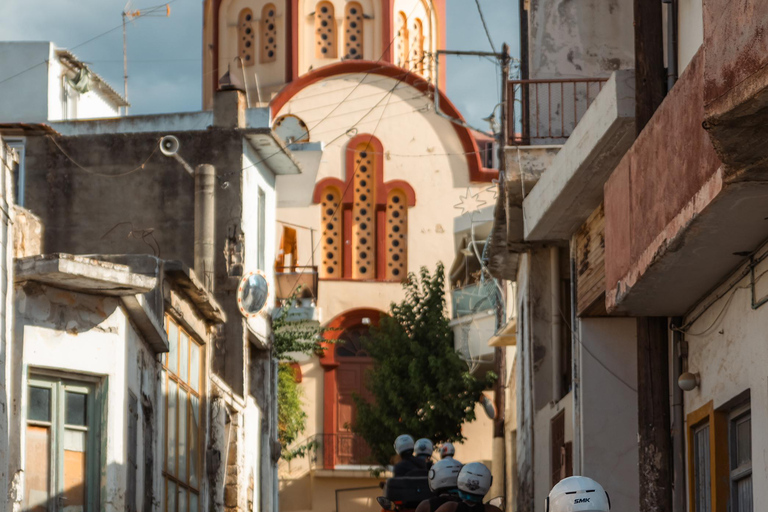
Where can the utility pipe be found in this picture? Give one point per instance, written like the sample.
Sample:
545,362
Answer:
205,202
671,43
678,418
557,352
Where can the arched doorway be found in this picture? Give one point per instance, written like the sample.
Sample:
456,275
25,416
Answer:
345,362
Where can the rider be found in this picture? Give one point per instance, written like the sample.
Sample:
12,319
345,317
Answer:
423,451
443,477
447,451
473,482
578,494
408,463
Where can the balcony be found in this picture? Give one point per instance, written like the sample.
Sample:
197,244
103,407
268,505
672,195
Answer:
546,111
301,281
474,323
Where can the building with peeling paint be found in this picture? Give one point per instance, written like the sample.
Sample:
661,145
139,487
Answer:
637,242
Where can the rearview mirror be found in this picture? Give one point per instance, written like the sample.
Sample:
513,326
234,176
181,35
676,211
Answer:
385,503
498,502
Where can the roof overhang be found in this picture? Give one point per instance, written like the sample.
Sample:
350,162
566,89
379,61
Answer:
271,151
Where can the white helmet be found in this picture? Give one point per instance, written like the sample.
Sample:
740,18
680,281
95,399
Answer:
444,474
475,479
578,494
424,447
447,451
403,443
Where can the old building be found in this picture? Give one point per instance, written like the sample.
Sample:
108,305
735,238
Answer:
636,243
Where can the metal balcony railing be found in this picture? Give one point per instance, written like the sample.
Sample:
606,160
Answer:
474,298
289,279
547,111
337,451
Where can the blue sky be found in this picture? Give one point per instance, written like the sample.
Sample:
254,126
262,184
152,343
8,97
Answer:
165,62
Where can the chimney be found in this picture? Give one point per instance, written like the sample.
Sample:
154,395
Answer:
229,103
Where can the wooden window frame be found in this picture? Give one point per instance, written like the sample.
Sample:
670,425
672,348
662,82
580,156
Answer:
738,473
718,456
59,385
171,375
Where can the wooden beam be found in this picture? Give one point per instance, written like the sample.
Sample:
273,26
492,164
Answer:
650,85
655,442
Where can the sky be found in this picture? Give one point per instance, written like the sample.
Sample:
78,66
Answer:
164,54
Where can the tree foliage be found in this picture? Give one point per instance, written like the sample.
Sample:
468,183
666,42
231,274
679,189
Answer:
419,383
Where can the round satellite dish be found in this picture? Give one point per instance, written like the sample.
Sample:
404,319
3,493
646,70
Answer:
291,129
253,293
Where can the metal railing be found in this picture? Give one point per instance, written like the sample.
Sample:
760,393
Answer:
474,298
546,111
288,280
342,449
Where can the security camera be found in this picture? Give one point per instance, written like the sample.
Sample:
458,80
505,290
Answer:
169,145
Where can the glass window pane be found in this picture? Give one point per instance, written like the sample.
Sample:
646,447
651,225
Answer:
171,497
744,495
193,502
39,404
75,408
182,499
743,441
194,365
183,353
74,470
173,342
37,470
194,433
171,426
701,470
183,435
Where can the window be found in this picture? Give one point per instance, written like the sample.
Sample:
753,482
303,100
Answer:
61,462
353,31
184,378
740,449
402,40
365,227
18,174
417,46
720,457
262,221
331,243
246,48
325,31
268,33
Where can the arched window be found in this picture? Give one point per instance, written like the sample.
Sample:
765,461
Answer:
366,239
363,213
268,33
402,40
325,31
246,38
332,231
417,46
353,31
396,235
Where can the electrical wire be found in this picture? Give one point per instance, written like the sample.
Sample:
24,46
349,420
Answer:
485,26
106,175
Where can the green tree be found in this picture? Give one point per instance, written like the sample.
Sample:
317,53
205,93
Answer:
420,385
292,337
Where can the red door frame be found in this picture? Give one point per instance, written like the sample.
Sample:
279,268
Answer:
329,362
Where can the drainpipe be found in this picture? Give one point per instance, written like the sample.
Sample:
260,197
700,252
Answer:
205,193
557,356
678,419
575,370
671,43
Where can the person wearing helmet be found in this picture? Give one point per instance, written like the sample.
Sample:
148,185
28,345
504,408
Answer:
423,450
473,483
443,481
577,494
407,463
447,451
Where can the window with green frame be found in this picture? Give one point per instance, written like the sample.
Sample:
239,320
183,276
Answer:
61,455
183,384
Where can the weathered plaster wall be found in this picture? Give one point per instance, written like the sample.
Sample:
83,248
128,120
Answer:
7,240
54,328
672,158
725,345
580,39
608,407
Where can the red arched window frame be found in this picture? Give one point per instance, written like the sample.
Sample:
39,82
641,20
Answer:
382,191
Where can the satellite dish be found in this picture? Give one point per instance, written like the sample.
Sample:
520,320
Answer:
253,293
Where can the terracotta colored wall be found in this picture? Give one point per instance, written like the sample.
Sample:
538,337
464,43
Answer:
669,162
736,43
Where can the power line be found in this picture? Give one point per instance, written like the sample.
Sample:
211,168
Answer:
485,26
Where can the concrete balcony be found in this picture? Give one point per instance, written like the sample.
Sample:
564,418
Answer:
571,187
677,221
299,284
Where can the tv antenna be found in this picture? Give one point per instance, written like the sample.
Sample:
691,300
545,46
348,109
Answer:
130,14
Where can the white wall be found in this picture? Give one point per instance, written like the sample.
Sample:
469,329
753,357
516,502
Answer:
6,313
727,347
609,452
